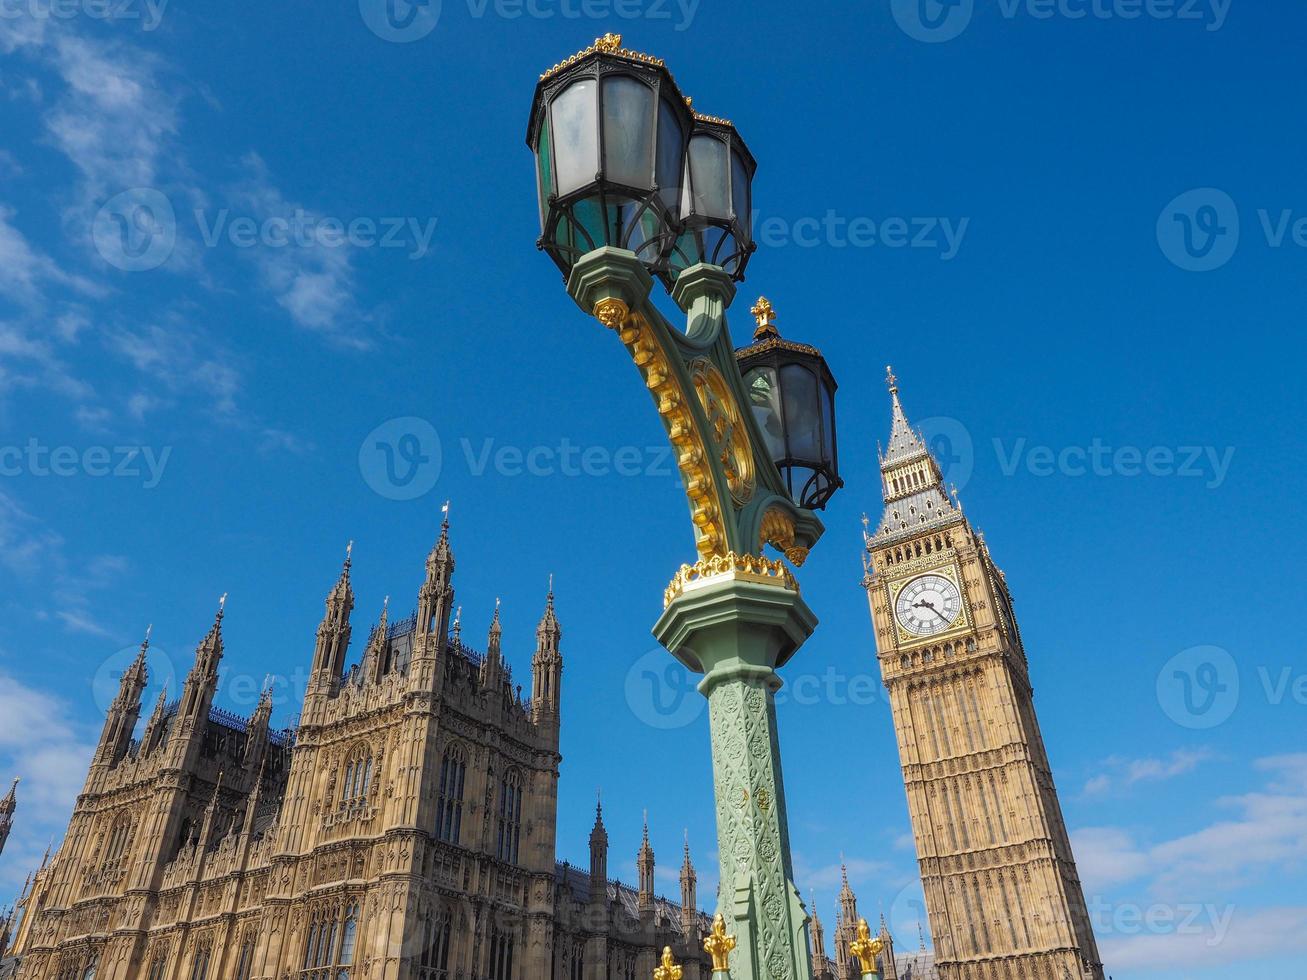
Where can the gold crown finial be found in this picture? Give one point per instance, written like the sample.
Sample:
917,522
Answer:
719,945
669,970
609,43
891,380
866,949
765,314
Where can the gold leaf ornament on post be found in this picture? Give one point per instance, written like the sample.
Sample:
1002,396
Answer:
669,970
718,945
865,948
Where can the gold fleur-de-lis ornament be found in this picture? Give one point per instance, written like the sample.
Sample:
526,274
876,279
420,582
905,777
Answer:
669,970
718,945
865,948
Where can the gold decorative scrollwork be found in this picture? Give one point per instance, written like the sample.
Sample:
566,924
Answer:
758,569
728,431
691,453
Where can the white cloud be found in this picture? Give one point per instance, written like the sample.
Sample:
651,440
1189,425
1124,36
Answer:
1250,936
181,362
41,744
1124,773
25,272
313,282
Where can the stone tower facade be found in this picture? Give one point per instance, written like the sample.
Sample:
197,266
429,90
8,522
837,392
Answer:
7,807
404,830
1002,891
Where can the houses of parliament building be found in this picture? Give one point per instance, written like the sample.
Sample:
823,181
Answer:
405,829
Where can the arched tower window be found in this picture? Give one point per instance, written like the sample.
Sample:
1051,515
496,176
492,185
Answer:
331,942
510,818
449,807
245,963
200,964
435,952
501,957
358,776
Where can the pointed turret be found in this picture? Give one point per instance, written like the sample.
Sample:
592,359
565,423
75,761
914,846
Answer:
120,721
202,682
888,966
689,896
332,644
492,668
374,664
257,730
645,864
7,807
912,482
211,816
155,727
547,666
818,932
437,592
599,858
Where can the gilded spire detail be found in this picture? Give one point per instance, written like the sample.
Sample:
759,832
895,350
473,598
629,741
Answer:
718,945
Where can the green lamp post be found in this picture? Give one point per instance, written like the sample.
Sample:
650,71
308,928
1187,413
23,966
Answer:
635,186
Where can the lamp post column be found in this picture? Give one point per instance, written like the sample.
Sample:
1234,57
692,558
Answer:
736,626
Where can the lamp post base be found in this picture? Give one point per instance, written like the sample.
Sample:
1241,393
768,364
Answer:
736,628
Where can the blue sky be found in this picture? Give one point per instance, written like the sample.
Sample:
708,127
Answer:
1096,327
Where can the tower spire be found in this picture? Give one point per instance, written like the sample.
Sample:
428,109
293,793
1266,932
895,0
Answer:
912,481
645,866
599,857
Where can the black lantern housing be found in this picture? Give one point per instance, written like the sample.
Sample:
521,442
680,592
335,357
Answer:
792,394
716,201
609,130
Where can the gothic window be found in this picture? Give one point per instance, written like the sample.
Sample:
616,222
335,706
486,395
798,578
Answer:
435,953
332,939
157,966
510,818
358,777
200,964
501,957
89,972
449,808
246,961
578,963
119,832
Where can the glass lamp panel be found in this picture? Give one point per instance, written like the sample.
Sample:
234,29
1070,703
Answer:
765,400
708,177
576,138
740,190
628,131
802,412
828,426
671,154
545,170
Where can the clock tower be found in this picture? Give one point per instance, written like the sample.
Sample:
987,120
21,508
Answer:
1002,891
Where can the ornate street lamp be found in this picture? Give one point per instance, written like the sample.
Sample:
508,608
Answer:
609,129
716,201
792,394
736,614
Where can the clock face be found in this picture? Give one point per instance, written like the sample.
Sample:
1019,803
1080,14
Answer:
928,605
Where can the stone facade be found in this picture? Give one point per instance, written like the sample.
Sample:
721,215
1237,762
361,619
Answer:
404,829
1002,892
